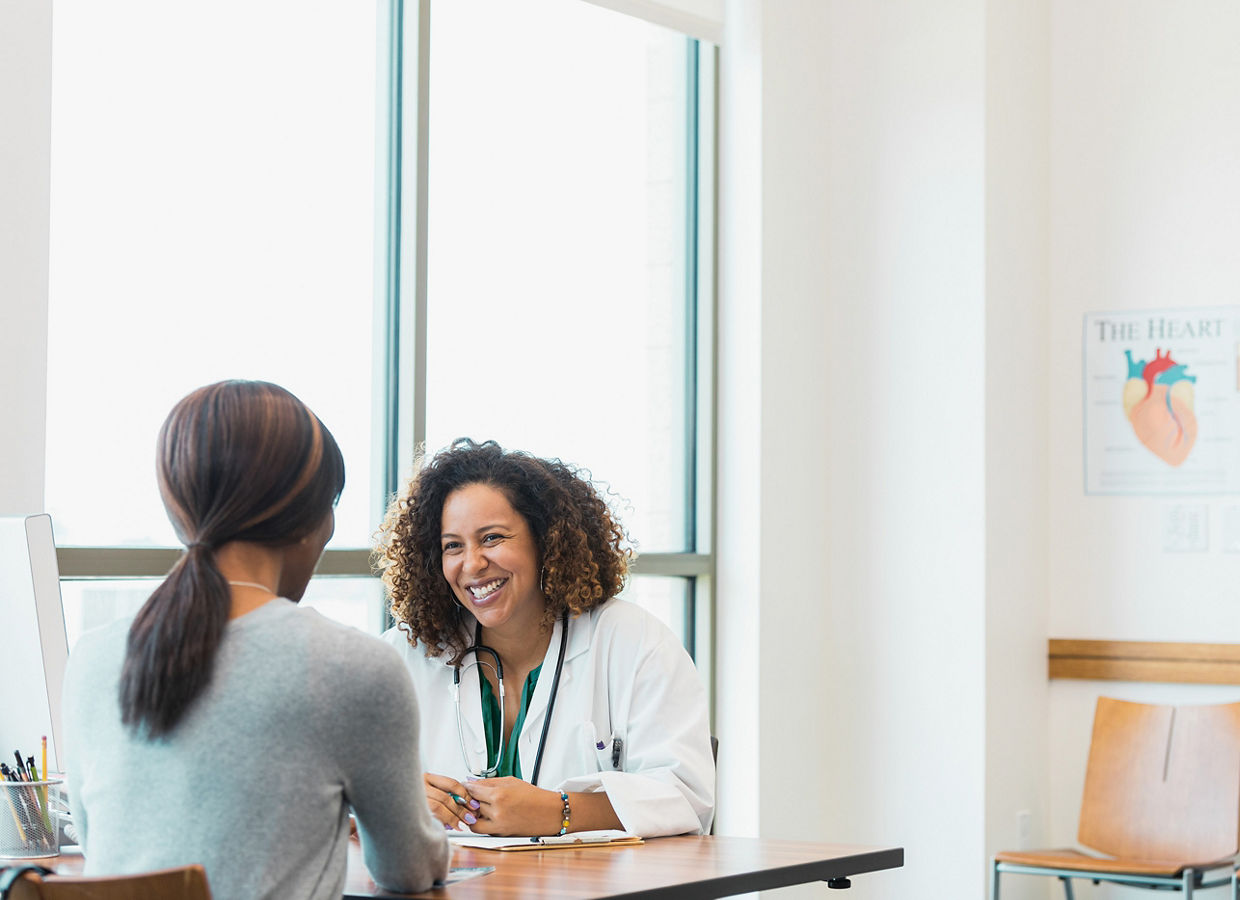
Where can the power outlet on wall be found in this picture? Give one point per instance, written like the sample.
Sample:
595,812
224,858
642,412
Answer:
1024,830
1231,529
1186,528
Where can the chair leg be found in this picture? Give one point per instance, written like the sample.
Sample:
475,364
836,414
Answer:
1188,884
1067,887
994,880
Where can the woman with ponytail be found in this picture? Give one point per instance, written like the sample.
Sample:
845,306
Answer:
225,725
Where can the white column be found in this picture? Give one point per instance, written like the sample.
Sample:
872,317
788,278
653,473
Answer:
25,159
1017,426
855,424
739,403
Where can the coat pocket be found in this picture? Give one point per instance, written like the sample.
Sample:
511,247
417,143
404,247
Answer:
610,752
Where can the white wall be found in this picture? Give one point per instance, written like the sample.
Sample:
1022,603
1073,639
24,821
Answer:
899,135
25,141
1145,213
854,417
1017,247
1097,145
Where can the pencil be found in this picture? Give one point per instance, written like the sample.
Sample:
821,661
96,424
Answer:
8,795
30,796
21,832
41,795
46,808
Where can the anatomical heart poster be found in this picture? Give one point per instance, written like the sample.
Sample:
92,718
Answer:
1162,405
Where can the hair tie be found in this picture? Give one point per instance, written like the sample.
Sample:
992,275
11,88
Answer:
199,546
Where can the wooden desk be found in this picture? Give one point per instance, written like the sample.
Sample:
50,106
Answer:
677,867
693,868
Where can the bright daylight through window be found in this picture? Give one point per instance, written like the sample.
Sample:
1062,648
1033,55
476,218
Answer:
230,221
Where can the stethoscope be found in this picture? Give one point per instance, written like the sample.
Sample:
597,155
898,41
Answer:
478,648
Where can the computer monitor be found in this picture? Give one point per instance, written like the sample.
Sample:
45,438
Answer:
35,647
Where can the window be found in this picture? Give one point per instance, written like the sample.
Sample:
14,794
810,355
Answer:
212,217
566,337
527,262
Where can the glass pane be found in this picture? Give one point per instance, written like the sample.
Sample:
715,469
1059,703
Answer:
556,242
667,598
212,217
92,604
357,602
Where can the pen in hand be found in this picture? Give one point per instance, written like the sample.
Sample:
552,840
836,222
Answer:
469,818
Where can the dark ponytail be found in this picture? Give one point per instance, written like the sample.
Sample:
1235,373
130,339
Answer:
185,615
237,461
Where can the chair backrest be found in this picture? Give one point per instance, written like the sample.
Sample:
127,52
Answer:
1163,782
188,883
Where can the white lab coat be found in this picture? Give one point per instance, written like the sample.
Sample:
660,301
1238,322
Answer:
625,676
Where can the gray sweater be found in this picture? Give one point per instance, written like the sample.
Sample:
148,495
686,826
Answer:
303,718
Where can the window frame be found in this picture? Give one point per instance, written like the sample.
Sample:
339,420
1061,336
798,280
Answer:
400,339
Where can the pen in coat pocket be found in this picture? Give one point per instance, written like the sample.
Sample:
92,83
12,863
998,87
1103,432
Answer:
616,746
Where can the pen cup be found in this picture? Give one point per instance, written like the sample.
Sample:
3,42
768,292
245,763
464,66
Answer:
29,826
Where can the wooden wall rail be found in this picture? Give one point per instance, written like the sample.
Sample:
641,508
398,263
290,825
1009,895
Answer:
1145,661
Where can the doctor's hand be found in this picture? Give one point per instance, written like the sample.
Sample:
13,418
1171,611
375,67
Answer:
512,806
449,801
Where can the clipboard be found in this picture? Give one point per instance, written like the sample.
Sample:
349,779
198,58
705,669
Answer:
581,840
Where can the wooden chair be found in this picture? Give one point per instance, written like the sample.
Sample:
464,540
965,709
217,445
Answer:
1161,801
188,883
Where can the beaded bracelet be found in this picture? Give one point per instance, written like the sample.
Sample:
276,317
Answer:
567,813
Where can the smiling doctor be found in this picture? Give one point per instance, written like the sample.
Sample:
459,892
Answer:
548,705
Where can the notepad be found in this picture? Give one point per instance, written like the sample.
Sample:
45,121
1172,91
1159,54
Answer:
579,840
464,874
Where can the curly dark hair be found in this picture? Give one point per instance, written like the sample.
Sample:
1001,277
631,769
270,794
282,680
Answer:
583,549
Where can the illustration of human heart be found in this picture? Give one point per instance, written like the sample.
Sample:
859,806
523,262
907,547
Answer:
1158,400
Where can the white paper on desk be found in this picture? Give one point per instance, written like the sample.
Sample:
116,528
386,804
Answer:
488,842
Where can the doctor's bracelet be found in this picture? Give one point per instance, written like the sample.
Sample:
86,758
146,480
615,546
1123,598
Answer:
566,814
